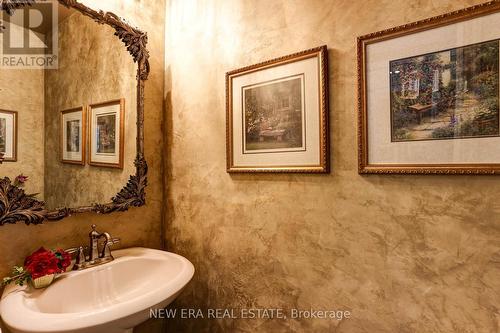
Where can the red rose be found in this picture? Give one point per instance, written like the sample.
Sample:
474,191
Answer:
42,262
45,262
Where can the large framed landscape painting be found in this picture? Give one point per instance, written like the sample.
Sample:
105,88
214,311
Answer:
277,115
429,95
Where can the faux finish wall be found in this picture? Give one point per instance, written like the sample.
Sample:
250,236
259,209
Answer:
139,226
94,67
401,253
22,91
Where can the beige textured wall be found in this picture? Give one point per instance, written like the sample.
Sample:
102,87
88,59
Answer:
22,91
94,67
139,226
402,253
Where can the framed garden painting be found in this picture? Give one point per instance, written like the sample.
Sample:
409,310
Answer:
8,135
107,134
429,95
277,115
73,134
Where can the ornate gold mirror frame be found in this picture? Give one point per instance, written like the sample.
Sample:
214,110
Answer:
15,205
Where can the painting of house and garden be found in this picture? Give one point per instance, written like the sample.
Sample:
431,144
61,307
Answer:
274,116
448,94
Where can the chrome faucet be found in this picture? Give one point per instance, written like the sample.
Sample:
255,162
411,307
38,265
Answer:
95,257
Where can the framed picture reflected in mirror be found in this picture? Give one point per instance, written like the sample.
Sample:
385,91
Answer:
8,135
73,133
107,134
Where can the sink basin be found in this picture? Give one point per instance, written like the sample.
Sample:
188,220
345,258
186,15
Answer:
112,298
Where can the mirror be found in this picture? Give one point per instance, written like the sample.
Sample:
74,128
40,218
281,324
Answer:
71,131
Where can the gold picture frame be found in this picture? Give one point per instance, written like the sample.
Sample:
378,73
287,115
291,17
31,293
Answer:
272,123
112,155
13,137
365,164
69,151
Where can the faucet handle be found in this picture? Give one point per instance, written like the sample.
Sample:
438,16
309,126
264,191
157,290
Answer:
73,250
80,258
80,255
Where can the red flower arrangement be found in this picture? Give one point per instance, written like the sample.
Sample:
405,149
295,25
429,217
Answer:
39,264
45,262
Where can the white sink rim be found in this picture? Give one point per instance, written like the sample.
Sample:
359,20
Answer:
16,315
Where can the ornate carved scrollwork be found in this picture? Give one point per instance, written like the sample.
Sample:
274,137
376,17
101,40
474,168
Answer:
132,195
15,205
11,5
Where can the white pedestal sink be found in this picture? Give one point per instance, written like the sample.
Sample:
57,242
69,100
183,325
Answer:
112,298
